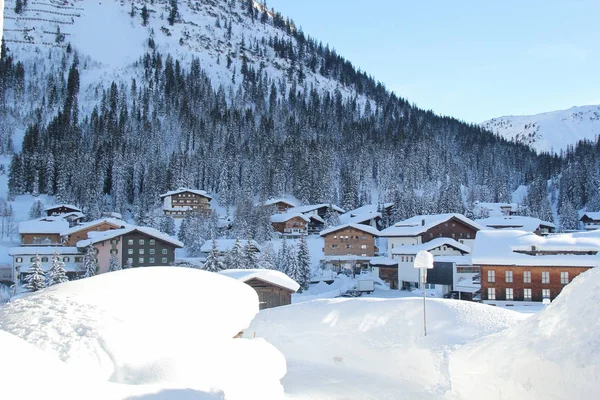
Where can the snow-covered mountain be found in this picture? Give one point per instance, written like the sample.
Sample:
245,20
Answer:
551,131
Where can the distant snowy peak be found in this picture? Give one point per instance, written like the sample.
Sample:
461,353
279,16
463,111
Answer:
551,131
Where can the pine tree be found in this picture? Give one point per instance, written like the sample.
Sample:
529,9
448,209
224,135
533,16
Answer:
167,225
36,210
114,263
214,262
250,257
267,257
304,271
89,262
145,15
172,12
36,279
57,273
235,257
283,256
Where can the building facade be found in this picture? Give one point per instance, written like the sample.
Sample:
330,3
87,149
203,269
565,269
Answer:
179,203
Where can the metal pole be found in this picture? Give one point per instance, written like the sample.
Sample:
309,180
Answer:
424,312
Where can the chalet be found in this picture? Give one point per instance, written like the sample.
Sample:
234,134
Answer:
45,231
274,288
135,246
23,258
528,224
485,210
424,228
317,213
522,266
349,246
61,209
280,205
408,276
73,218
590,221
371,214
71,236
290,224
179,203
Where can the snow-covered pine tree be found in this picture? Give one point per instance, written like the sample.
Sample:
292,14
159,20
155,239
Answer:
89,262
114,263
36,210
56,273
36,279
292,268
267,257
250,257
167,225
304,270
282,256
214,262
235,257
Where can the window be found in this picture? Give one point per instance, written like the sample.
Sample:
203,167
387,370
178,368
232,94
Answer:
335,236
19,259
364,237
545,277
141,260
151,260
66,259
31,259
509,293
130,242
527,294
164,260
526,276
545,293
142,242
44,259
130,261
491,293
78,259
129,251
468,236
402,258
412,259
141,251
564,278
491,276
363,255
363,246
348,246
509,276
164,251
152,251
152,242
334,246
114,251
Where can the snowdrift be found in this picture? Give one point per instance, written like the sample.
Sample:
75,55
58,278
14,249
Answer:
153,326
553,355
377,339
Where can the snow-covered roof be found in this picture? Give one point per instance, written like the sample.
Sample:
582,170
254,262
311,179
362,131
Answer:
495,209
432,244
347,257
505,247
384,261
271,202
72,214
458,260
87,225
529,224
277,218
363,213
313,207
202,193
267,275
43,225
97,237
227,244
360,227
72,207
592,215
41,250
421,223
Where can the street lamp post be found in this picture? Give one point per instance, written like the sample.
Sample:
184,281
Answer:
424,261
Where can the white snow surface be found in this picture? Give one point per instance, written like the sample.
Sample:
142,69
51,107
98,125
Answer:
555,354
160,327
373,348
421,223
268,275
518,222
551,131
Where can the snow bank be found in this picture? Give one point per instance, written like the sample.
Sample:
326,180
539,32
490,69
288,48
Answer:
553,355
382,339
153,326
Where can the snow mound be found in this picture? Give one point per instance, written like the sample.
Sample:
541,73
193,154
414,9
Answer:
153,326
380,338
554,355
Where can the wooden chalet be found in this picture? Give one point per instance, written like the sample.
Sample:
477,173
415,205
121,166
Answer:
179,203
274,288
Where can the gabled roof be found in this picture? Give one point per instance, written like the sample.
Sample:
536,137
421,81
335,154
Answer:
362,214
271,202
432,244
506,247
360,227
98,237
591,215
45,225
267,275
227,244
313,207
72,207
78,228
383,261
529,224
278,218
421,223
202,193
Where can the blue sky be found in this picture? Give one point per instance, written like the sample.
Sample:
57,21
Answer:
473,60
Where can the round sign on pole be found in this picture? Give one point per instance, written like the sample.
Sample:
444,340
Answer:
424,259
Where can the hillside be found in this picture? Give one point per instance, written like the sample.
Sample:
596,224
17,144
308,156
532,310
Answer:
552,131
